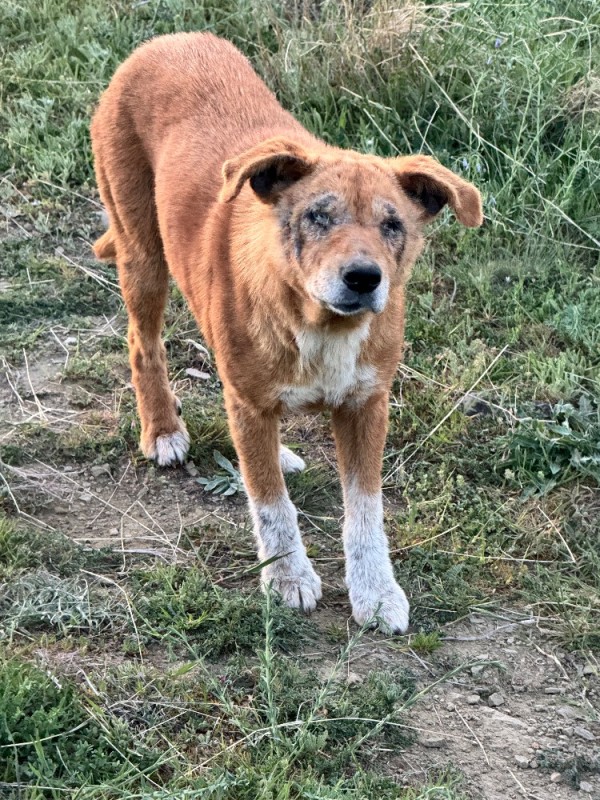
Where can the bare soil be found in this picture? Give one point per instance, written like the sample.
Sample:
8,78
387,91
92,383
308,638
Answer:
497,697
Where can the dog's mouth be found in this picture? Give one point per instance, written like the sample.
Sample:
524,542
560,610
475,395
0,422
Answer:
347,309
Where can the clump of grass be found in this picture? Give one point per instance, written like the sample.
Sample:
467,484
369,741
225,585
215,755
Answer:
41,601
426,643
98,372
99,437
181,607
48,738
573,769
207,425
23,548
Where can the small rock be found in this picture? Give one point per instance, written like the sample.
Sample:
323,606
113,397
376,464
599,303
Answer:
569,712
583,733
478,669
553,690
434,740
586,786
555,777
451,707
473,699
496,700
589,670
191,469
86,497
354,679
70,340
100,469
522,762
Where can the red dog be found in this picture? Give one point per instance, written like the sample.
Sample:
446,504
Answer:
293,256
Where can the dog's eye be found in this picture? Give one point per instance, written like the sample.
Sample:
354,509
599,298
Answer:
392,226
320,218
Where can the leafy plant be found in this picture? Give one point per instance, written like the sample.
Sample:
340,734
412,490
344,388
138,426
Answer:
229,483
542,454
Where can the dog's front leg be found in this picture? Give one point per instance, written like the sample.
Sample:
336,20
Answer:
256,438
360,437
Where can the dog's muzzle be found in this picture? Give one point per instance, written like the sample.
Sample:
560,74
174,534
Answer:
360,289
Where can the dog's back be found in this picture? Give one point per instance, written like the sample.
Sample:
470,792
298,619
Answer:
195,81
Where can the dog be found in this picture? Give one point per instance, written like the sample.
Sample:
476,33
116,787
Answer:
293,256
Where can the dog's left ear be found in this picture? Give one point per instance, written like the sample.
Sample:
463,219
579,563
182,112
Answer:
431,186
271,167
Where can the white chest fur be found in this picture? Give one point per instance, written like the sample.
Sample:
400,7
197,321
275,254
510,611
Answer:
329,370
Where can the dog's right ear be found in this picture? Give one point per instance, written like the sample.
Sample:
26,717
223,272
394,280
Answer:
271,167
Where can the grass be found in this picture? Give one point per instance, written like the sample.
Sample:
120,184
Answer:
196,684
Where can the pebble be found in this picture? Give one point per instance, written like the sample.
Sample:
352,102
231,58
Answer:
583,733
435,740
589,670
522,762
569,712
553,690
354,679
100,469
473,699
496,699
586,786
191,469
478,669
85,497
555,777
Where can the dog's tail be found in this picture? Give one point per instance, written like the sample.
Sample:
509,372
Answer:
104,248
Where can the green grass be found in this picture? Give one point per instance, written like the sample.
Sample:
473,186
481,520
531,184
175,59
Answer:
493,498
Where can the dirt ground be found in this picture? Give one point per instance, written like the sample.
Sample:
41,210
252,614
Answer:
498,695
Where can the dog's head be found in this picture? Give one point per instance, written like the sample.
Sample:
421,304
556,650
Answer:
351,224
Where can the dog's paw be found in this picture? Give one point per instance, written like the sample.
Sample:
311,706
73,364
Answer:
385,607
289,461
295,580
170,448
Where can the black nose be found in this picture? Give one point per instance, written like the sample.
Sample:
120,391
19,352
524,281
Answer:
361,276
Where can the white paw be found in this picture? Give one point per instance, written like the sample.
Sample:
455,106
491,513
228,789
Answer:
289,461
171,448
294,578
385,606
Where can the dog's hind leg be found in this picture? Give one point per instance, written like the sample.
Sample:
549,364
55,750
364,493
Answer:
289,461
144,283
126,187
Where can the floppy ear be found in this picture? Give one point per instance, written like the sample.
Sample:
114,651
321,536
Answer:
431,185
271,167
